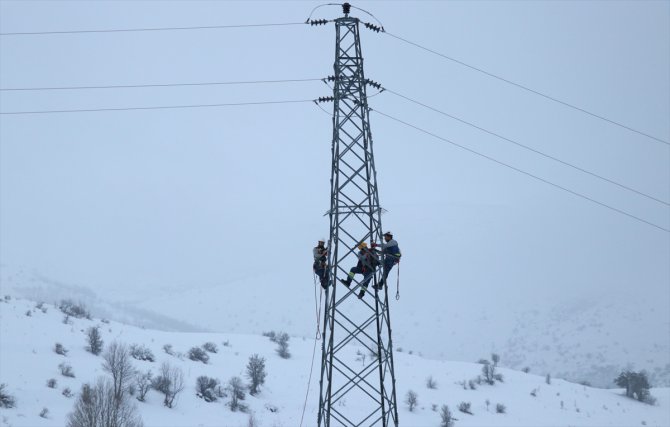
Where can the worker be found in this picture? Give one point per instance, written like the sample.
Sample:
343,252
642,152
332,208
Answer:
391,255
320,265
367,264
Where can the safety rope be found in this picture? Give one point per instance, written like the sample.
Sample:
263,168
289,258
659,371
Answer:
317,310
318,337
397,291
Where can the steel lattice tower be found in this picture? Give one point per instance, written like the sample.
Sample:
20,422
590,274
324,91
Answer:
355,391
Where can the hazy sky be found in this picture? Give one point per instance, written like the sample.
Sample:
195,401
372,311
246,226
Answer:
135,200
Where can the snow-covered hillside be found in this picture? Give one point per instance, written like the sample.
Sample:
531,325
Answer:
587,339
28,361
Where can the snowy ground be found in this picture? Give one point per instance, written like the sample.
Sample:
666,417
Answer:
590,338
27,361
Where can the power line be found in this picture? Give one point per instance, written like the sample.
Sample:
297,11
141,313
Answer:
520,171
164,107
527,147
526,88
129,30
157,85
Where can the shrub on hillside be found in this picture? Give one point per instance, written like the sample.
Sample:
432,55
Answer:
198,354
500,408
59,349
66,370
256,373
141,352
411,399
74,309
431,383
282,345
465,407
67,392
205,388
210,347
52,383
94,340
6,399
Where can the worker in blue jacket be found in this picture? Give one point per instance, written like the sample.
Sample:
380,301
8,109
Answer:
391,255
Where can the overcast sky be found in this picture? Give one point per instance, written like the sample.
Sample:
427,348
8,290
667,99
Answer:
135,200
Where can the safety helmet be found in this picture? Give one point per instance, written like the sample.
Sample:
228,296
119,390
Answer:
388,233
322,240
362,245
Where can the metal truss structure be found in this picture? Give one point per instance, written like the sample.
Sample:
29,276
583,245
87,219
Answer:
357,375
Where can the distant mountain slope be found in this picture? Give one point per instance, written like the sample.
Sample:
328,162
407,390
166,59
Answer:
591,340
27,361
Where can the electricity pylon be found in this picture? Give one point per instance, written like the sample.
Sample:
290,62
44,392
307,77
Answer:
357,376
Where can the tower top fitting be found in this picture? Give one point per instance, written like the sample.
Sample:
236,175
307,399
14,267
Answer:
346,8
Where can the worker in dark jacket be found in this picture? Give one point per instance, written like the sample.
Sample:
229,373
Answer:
391,255
367,264
320,265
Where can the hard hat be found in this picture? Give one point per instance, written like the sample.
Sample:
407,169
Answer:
322,240
388,233
362,245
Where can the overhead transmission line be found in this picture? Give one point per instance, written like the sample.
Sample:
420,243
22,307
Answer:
519,170
157,85
526,88
526,147
135,30
163,107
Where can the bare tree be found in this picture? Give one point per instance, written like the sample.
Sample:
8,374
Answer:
94,340
236,389
495,358
431,383
143,384
97,406
256,373
173,383
411,399
117,363
446,419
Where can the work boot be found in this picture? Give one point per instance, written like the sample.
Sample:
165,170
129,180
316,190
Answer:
361,294
346,282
